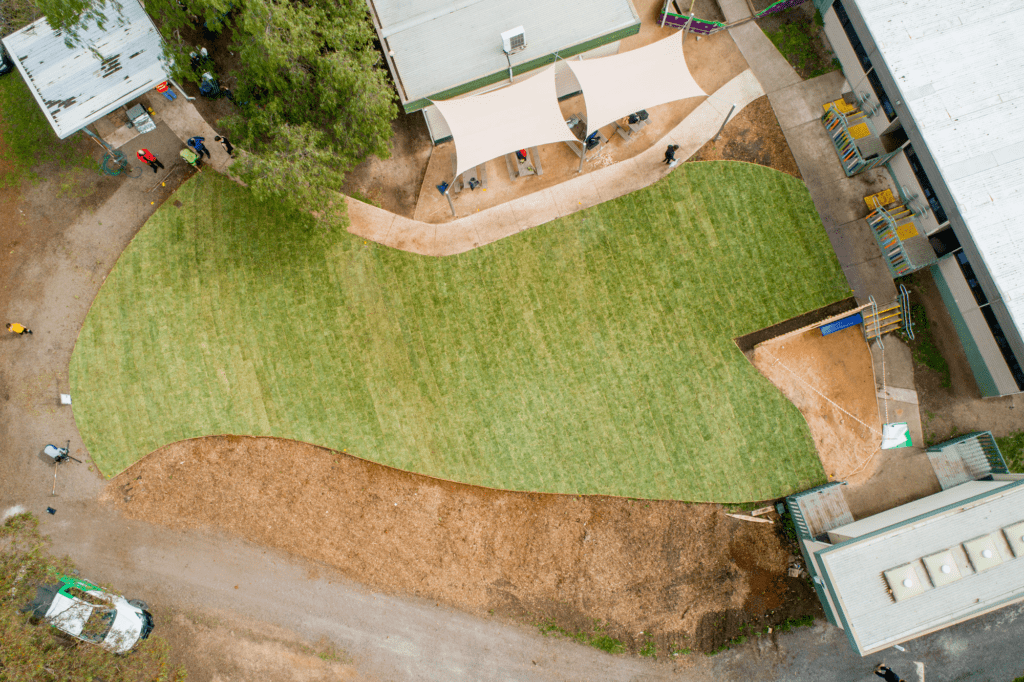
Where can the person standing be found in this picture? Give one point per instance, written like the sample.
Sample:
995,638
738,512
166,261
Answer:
226,143
190,157
18,329
886,673
146,156
670,154
197,144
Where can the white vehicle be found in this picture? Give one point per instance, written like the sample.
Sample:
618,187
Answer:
84,611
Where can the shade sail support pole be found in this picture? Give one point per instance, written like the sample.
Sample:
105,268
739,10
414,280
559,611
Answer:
719,133
451,204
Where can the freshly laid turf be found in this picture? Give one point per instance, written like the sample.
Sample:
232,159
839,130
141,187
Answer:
593,354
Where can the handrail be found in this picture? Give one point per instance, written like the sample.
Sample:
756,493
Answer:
891,227
904,298
878,328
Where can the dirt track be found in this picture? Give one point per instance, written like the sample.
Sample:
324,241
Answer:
685,575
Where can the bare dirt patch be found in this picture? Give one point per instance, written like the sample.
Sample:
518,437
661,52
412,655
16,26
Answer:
800,37
948,411
221,647
754,136
686,576
831,381
394,183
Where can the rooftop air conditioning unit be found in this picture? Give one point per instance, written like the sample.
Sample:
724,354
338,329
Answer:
514,40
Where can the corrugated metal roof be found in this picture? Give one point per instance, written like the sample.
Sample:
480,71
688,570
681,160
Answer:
854,570
439,46
960,70
72,85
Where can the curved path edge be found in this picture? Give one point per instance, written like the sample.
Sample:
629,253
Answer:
576,194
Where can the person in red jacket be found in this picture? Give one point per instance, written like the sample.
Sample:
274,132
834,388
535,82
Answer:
146,156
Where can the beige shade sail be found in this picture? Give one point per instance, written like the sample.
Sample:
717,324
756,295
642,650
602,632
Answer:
522,115
622,84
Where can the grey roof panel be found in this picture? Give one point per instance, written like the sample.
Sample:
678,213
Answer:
73,86
960,70
436,50
854,570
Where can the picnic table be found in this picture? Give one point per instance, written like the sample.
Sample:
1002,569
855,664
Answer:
578,125
521,168
474,176
630,129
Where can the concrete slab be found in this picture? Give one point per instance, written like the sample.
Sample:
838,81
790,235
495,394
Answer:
533,209
853,243
637,173
163,143
369,222
899,365
903,395
449,241
575,195
870,278
493,224
843,201
802,102
814,155
770,67
183,118
411,235
734,10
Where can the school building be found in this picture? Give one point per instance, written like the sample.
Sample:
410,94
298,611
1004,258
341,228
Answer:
935,90
440,50
922,566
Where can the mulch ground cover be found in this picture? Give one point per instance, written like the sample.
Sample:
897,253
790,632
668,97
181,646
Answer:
683,577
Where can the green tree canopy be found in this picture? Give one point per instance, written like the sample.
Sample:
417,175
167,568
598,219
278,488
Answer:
313,98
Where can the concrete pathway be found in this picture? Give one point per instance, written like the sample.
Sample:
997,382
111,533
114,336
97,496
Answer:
584,191
838,199
184,121
903,474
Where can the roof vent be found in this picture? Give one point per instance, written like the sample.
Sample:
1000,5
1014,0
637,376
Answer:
513,41
1015,537
942,568
906,581
983,552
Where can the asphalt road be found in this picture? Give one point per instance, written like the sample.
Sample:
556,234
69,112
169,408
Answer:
389,638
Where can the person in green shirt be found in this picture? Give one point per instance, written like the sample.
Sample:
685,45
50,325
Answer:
190,157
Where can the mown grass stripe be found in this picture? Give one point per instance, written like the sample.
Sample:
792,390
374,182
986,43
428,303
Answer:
593,354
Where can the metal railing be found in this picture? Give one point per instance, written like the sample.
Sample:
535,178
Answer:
838,126
883,227
903,297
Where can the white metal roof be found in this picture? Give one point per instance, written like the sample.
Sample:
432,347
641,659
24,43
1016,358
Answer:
441,44
854,570
960,70
73,86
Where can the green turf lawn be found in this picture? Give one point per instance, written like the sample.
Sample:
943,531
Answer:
592,354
